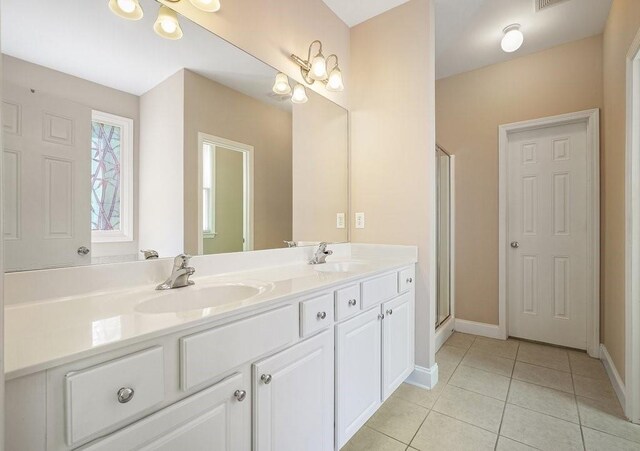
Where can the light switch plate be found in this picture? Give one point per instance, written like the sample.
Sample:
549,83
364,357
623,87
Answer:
340,220
359,220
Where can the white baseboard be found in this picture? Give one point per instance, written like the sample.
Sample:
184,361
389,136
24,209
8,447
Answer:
614,376
444,331
424,377
482,329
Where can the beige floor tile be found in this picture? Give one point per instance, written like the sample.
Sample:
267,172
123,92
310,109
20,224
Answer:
488,362
544,400
421,396
546,377
607,416
539,430
502,348
584,365
398,419
366,439
599,441
460,340
542,355
449,354
506,444
593,388
440,432
480,381
470,407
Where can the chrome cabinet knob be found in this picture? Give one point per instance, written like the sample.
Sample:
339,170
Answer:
352,302
380,316
410,280
390,312
266,378
240,395
515,244
321,315
83,250
125,394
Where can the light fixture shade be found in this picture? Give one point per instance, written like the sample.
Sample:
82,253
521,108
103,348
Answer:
208,6
299,94
318,68
282,86
167,24
335,82
513,38
127,9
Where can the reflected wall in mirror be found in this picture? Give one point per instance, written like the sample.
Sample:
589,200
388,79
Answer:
118,141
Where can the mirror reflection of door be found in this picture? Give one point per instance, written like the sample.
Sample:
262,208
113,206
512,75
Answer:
226,196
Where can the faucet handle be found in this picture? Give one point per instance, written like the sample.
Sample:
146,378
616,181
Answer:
181,261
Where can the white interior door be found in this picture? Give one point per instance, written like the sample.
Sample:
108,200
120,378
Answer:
547,271
47,152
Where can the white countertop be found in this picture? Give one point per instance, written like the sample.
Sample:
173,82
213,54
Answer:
47,333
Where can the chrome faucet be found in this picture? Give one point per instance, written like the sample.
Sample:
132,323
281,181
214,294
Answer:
180,275
321,254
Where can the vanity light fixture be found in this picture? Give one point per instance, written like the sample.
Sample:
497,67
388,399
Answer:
281,85
316,68
208,6
167,24
299,94
127,9
513,38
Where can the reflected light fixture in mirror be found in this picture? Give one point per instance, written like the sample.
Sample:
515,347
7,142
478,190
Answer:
208,6
317,68
127,9
513,38
281,85
167,24
299,94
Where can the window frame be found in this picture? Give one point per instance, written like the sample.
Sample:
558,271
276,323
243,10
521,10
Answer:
125,234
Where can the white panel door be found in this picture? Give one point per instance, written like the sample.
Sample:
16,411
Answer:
358,372
547,232
397,343
47,156
294,398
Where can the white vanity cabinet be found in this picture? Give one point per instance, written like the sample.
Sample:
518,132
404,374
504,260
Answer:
397,342
293,398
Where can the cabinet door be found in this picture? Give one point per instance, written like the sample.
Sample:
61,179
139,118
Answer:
398,342
293,389
358,373
217,418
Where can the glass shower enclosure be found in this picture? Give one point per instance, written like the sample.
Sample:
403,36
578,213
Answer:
443,184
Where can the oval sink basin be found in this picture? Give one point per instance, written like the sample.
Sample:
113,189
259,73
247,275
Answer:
199,297
341,267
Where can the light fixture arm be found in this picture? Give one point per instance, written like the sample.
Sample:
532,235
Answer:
305,65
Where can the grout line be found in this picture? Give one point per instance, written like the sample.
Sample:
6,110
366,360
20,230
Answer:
544,413
504,409
419,427
608,434
466,422
385,434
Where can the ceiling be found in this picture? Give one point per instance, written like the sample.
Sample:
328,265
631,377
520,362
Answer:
468,32
353,12
86,40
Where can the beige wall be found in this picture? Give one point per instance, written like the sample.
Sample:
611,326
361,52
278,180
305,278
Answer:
320,170
273,30
469,109
622,26
216,110
392,142
95,96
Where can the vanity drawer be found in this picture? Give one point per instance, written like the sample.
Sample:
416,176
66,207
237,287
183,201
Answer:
316,314
406,279
208,354
379,289
347,302
93,396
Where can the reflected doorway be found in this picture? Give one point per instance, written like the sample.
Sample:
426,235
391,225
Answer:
444,211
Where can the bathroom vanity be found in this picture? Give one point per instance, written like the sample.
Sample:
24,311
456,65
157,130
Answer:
269,353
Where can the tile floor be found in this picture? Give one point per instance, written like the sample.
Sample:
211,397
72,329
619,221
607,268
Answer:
503,395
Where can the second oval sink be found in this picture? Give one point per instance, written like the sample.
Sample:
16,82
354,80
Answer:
200,297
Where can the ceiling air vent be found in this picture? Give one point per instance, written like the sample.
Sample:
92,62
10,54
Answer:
544,4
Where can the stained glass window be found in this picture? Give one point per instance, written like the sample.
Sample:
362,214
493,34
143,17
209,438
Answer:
105,176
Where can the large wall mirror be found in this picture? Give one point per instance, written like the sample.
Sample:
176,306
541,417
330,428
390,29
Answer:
118,141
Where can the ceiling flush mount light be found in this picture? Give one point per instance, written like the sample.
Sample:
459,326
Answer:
317,68
513,38
208,6
299,94
127,9
281,85
167,24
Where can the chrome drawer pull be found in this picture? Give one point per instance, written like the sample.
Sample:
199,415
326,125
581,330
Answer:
240,395
321,315
266,378
125,394
352,302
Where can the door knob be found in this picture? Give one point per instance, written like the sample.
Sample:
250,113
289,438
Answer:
515,244
82,250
